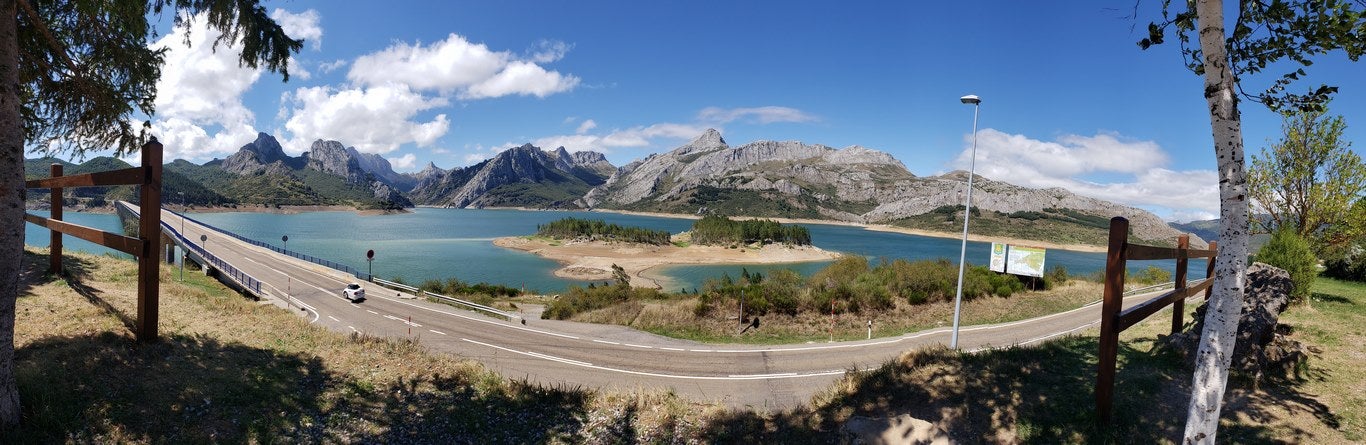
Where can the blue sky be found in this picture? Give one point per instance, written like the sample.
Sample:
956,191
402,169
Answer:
1068,98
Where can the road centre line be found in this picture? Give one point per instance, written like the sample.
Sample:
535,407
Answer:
605,341
434,331
655,374
334,319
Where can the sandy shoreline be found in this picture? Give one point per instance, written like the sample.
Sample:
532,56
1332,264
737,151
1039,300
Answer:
593,260
888,228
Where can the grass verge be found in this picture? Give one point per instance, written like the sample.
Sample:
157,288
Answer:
676,318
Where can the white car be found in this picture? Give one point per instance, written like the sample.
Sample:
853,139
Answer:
354,292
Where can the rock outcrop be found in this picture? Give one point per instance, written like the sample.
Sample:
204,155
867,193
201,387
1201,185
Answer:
376,165
1262,348
254,157
334,158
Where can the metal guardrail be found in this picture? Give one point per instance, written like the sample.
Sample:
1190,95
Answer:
469,304
242,278
276,249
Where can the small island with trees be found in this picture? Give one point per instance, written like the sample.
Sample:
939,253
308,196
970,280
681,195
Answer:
589,249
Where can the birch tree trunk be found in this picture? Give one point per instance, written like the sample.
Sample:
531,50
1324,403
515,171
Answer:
1221,319
11,205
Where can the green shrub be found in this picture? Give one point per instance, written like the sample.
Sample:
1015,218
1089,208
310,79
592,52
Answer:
1287,250
1149,276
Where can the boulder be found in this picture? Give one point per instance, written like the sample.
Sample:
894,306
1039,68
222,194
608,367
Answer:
1263,347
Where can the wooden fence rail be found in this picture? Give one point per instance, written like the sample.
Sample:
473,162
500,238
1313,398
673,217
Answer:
144,247
1115,319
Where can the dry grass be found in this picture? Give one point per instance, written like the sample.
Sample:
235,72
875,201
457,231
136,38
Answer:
675,318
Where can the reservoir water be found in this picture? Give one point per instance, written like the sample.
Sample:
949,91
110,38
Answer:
442,243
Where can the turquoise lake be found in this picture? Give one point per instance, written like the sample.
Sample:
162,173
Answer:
440,243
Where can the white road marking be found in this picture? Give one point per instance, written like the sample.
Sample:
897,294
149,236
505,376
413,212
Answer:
434,331
655,374
605,341
637,346
403,320
373,312
353,329
334,319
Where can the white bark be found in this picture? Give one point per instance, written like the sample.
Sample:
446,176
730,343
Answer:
1221,318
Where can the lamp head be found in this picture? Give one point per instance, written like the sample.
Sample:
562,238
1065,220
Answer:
971,99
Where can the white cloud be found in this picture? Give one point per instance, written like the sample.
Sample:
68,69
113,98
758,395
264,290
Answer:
758,115
201,88
471,70
641,136
374,120
405,162
585,126
475,158
327,67
1028,162
303,25
548,51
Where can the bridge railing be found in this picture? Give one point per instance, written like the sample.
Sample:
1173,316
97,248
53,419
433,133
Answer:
1114,318
277,249
243,279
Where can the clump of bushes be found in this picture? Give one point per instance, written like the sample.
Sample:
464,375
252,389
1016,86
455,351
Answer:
1288,250
1351,266
724,231
599,230
853,284
582,299
454,287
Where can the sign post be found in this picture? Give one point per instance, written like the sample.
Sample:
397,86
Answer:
370,261
285,239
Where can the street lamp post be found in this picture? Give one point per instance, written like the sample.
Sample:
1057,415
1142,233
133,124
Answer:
967,212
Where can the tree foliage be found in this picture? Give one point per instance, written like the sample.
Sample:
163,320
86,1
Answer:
87,69
722,230
1268,32
599,230
1310,181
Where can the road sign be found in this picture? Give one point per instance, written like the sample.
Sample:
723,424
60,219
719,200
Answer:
284,239
203,238
370,254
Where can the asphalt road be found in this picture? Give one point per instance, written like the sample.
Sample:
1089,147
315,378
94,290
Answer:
613,357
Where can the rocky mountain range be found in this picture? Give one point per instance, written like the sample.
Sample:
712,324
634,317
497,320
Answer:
706,175
524,176
855,184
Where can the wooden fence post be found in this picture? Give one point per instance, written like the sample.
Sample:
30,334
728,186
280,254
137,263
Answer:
55,245
149,228
1183,245
1209,269
1112,301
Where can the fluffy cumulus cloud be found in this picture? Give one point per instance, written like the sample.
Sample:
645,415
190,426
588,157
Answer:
757,115
406,162
640,136
199,109
1139,166
585,126
470,70
200,88
374,120
303,25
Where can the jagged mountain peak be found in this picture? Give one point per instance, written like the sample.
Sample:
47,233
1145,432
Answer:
253,157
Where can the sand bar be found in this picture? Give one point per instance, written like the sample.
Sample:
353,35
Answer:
593,260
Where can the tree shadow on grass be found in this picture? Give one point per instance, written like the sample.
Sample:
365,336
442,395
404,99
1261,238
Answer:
1036,394
1320,296
195,389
